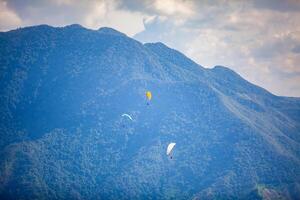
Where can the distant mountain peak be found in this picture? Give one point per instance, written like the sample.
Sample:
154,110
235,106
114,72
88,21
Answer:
31,28
225,70
111,31
157,44
74,26
222,68
173,55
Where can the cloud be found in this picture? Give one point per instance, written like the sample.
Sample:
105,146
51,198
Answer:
278,5
63,2
106,13
8,18
92,14
296,49
175,7
179,11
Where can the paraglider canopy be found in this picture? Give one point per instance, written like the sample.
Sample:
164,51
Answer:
170,148
126,115
148,95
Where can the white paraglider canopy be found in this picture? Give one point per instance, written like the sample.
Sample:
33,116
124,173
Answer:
170,148
126,115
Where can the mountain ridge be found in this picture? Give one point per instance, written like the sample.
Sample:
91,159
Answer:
63,91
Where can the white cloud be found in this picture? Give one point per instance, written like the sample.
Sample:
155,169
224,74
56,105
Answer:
63,2
92,14
149,20
260,48
8,18
175,7
106,13
97,14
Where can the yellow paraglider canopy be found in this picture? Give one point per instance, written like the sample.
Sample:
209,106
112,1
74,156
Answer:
149,95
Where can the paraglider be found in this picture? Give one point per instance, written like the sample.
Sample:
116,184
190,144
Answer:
170,149
149,96
126,115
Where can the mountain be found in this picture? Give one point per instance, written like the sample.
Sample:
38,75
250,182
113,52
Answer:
62,135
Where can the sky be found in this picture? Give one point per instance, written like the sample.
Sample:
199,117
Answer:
259,39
